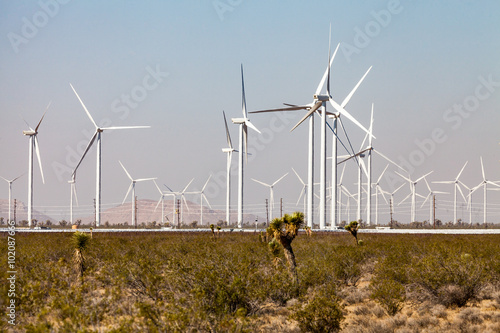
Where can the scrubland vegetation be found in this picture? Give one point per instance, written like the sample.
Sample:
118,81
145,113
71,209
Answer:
236,282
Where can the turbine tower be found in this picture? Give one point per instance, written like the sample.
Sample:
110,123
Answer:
484,183
132,187
229,151
432,193
72,183
97,135
181,193
10,192
202,197
243,147
162,197
378,190
33,145
456,186
271,194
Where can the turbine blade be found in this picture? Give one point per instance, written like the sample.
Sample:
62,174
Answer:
243,98
482,168
346,114
342,174
206,183
426,198
85,152
276,182
460,190
299,177
292,108
461,170
389,160
323,79
126,195
36,128
348,97
404,177
423,176
13,180
84,107
252,126
156,207
258,181
185,188
123,127
37,149
382,174
404,199
159,190
245,141
206,200
185,202
228,137
398,189
313,109
128,174
144,179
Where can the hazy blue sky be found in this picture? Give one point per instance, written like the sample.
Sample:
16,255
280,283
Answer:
175,65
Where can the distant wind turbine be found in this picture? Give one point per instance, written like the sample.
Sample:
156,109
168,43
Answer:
484,183
72,183
202,197
413,193
10,192
456,187
183,198
229,151
243,149
132,187
378,190
271,194
33,144
97,135
162,197
431,205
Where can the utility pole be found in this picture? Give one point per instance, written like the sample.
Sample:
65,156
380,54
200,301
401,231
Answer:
15,209
267,212
135,211
434,211
281,207
390,205
178,211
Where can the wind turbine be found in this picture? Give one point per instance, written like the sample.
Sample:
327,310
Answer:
456,186
303,191
181,193
10,192
229,151
72,183
391,200
132,187
378,190
202,196
413,193
469,199
33,144
244,124
432,193
162,197
97,135
484,183
271,194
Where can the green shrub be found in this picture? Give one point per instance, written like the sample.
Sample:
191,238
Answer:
389,294
323,313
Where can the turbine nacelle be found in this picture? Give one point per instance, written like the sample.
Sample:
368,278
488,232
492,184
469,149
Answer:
239,120
29,133
322,98
228,150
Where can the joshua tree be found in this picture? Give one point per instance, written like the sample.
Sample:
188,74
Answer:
284,230
212,228
218,231
80,242
353,229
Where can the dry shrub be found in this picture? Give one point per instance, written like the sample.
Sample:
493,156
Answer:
362,310
353,295
471,315
439,311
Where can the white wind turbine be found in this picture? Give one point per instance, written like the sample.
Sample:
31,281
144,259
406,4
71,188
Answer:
229,151
132,187
32,133
339,190
320,101
10,192
271,194
469,199
391,200
303,191
183,198
378,190
72,183
456,186
162,197
202,197
413,193
484,183
244,124
97,135
430,195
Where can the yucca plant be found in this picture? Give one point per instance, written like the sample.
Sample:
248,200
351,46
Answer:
212,227
284,230
353,228
80,242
